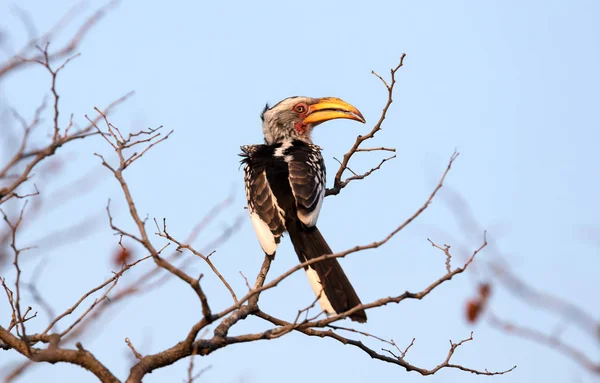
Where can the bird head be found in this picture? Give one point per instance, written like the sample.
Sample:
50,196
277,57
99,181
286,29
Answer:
295,117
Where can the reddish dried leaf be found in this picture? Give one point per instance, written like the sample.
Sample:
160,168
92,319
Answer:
121,256
474,309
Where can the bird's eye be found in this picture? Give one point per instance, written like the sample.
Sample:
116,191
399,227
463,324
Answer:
300,108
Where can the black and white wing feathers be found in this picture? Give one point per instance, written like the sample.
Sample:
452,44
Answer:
307,179
283,181
265,214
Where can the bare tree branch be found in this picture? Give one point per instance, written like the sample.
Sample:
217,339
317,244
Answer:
338,184
80,357
24,57
124,150
137,355
113,281
205,258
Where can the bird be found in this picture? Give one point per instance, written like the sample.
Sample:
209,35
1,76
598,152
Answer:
285,186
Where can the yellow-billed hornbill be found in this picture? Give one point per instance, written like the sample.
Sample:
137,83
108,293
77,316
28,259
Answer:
285,187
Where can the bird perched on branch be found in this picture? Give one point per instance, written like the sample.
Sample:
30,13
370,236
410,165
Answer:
285,187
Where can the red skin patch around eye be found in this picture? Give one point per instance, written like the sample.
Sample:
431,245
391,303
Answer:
300,127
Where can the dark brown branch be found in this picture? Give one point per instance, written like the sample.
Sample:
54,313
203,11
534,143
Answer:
308,330
144,283
188,347
80,357
128,149
205,347
116,141
406,295
355,249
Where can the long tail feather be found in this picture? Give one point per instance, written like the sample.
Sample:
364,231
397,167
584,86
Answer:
327,278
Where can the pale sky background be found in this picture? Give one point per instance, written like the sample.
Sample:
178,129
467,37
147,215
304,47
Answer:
514,86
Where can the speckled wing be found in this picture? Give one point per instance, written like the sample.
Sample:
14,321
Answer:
307,179
266,217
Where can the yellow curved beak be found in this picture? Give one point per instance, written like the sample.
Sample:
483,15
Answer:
330,108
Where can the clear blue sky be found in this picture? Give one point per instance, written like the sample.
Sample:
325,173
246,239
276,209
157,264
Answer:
513,85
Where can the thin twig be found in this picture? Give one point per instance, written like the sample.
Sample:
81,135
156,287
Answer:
338,184
137,355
